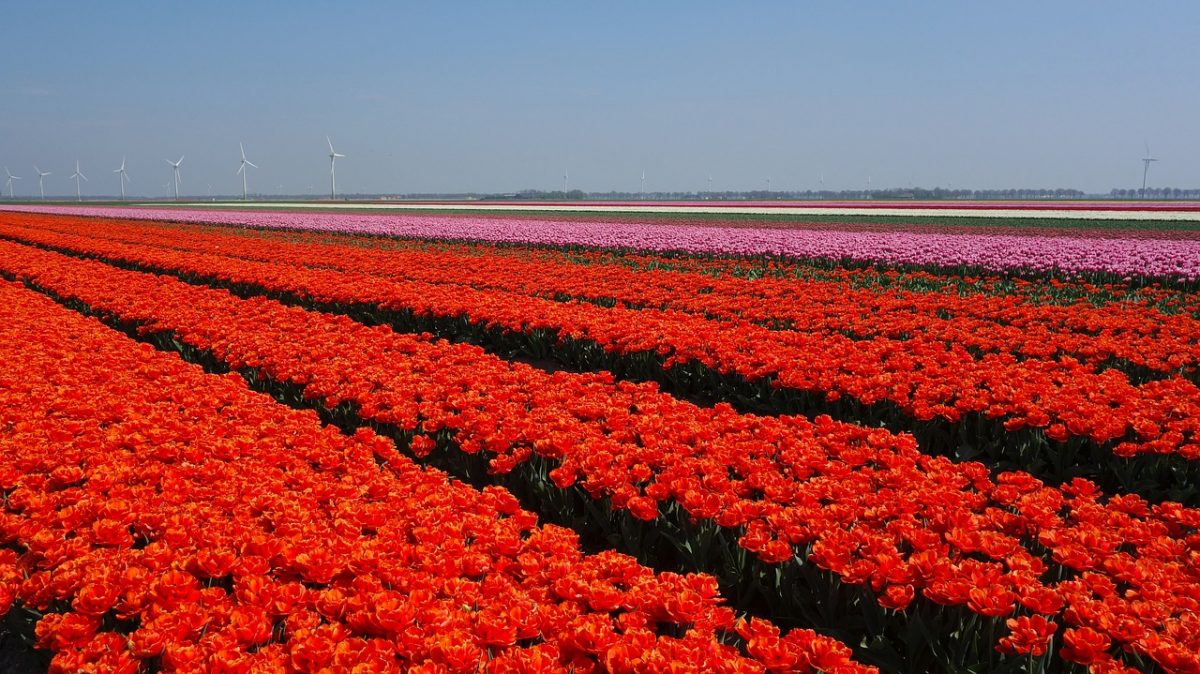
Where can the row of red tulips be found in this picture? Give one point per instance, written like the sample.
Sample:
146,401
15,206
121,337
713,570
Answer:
1055,400
1130,334
1038,290
1063,567
157,514
1033,288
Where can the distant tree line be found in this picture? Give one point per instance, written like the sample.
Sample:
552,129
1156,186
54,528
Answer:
553,195
765,195
915,193
1155,193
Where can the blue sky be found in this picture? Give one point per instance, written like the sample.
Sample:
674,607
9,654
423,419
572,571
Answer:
504,96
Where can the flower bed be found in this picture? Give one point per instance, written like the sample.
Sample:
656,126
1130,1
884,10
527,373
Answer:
1019,559
155,515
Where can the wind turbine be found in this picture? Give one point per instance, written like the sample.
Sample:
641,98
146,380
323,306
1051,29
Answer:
123,176
643,192
76,176
175,165
11,178
710,184
41,174
242,169
332,173
566,180
1145,169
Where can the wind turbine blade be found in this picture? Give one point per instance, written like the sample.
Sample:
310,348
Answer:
330,144
83,176
180,160
169,162
243,151
338,155
251,163
240,169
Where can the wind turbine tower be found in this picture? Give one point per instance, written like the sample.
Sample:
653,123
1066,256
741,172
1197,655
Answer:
333,156
11,178
123,176
242,169
643,189
1146,168
175,166
76,176
41,174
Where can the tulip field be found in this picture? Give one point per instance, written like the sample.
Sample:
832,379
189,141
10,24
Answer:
304,441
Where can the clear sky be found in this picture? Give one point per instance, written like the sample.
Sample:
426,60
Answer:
501,96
